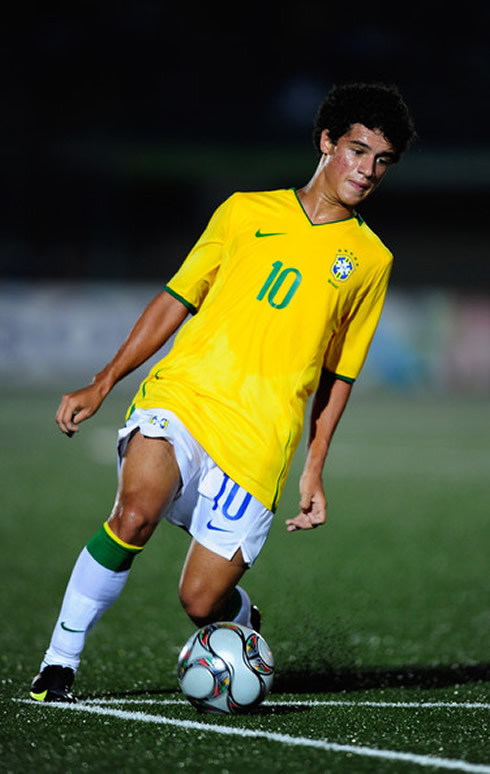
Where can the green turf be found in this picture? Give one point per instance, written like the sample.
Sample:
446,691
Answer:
389,602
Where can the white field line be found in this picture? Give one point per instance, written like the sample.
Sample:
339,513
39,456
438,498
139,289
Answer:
315,703
319,744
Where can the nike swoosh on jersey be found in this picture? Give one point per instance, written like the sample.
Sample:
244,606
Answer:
210,525
259,233
67,629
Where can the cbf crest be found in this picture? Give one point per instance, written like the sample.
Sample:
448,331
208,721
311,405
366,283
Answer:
344,265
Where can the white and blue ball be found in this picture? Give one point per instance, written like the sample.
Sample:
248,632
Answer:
225,667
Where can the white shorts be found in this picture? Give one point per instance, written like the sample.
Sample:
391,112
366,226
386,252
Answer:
215,510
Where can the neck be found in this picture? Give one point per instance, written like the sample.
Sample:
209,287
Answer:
317,201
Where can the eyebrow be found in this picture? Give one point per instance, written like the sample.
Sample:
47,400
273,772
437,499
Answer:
389,154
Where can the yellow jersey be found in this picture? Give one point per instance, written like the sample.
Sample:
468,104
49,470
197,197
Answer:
274,299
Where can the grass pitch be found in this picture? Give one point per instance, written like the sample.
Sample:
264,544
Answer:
379,622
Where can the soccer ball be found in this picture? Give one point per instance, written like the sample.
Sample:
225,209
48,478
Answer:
225,667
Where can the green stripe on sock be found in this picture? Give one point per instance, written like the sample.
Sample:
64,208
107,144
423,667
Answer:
110,554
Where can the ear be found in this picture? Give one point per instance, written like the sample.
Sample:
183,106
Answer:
326,145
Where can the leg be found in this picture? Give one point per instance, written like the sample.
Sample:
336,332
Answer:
149,479
208,582
148,482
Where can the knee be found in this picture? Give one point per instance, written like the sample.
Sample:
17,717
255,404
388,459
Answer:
131,522
199,605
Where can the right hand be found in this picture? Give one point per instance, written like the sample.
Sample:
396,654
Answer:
77,406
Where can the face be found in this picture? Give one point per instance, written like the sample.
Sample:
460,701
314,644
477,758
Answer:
356,164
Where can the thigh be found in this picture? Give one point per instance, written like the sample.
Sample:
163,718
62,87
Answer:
149,479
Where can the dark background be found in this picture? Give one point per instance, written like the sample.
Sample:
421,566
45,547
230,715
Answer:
125,124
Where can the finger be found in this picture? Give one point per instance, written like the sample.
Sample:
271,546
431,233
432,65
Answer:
301,521
306,504
66,424
79,415
306,497
68,428
306,521
65,416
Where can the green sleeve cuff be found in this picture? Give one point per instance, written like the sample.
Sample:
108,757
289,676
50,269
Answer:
192,309
342,378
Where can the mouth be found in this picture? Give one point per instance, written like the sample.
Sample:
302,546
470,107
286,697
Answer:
360,187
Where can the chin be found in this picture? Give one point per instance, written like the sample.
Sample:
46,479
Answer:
350,202
353,198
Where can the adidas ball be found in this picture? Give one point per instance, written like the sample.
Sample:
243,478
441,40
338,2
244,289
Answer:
225,667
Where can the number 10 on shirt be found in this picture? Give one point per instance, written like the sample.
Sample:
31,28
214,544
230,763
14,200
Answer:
273,286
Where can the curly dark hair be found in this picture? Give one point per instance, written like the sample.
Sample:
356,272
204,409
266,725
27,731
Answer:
375,105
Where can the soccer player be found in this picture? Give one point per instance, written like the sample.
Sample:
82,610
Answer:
283,292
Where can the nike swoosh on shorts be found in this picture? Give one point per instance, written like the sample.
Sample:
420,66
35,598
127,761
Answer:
210,525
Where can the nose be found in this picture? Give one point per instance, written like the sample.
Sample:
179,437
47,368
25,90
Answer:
367,166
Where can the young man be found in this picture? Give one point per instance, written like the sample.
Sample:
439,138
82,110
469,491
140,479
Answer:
285,289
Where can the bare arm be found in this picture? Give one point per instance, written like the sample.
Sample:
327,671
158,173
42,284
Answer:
329,403
158,322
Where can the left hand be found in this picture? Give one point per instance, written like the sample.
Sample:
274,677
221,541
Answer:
313,505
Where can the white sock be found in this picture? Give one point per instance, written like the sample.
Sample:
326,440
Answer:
243,615
91,590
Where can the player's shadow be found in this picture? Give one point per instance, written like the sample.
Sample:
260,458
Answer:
362,679
339,680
